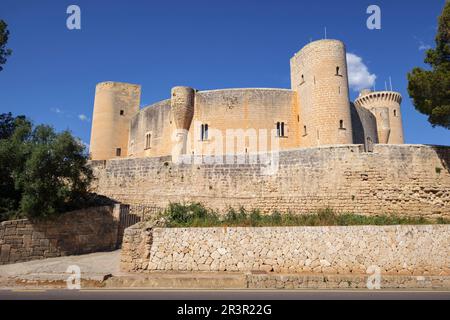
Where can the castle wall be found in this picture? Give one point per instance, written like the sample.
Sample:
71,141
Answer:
239,114
249,110
156,121
401,179
364,125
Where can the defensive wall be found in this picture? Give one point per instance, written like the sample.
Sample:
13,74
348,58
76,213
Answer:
409,180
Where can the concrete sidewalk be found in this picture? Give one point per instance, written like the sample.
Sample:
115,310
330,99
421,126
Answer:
94,267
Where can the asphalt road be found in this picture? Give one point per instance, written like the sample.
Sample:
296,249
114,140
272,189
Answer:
141,294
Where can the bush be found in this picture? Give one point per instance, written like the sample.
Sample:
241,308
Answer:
196,215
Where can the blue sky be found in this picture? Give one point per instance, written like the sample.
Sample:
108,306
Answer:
52,73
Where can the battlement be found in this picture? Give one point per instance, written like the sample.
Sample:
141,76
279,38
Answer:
371,98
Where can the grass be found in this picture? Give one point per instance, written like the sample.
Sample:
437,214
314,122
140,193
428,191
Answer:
196,215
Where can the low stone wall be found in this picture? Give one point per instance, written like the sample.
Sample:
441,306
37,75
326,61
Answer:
78,232
396,250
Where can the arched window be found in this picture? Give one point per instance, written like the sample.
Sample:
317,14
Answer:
148,140
341,124
337,71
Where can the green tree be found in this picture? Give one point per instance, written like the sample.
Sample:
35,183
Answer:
42,173
4,35
13,151
430,89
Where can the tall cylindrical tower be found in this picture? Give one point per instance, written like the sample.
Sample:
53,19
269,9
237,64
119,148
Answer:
114,106
182,105
385,105
319,75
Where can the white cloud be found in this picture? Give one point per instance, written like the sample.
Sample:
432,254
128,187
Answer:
56,110
359,76
83,117
423,46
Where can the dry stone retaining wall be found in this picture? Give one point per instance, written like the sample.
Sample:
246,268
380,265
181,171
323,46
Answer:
396,250
78,232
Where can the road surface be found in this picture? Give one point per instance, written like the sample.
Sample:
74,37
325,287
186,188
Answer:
144,294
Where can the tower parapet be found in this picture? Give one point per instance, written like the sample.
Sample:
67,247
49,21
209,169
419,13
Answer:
385,105
114,106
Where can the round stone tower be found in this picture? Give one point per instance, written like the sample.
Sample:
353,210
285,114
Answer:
385,105
182,105
114,106
319,75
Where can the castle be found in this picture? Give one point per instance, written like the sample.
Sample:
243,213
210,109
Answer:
316,111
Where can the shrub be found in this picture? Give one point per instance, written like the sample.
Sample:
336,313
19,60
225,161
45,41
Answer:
196,215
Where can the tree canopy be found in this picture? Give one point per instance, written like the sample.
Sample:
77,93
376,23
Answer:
42,173
430,89
4,35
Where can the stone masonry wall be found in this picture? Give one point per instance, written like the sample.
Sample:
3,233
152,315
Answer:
78,232
396,250
402,179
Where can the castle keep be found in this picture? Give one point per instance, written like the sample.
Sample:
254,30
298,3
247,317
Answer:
330,152
316,111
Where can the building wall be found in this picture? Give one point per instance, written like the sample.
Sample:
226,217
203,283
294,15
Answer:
395,250
115,104
78,232
323,93
401,179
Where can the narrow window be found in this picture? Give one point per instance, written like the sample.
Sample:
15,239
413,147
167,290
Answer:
341,124
395,113
122,112
303,78
118,152
204,132
337,71
304,131
148,140
131,149
280,129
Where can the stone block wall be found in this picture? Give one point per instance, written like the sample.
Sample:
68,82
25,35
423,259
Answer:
78,232
402,179
396,250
